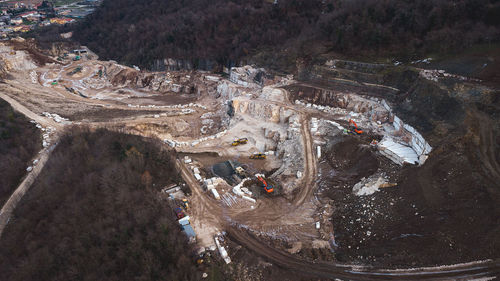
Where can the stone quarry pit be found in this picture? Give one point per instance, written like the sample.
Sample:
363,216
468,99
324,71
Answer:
339,191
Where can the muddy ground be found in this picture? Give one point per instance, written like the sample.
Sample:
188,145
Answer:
444,212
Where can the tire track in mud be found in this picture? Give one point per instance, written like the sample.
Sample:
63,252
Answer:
468,271
310,168
214,213
487,149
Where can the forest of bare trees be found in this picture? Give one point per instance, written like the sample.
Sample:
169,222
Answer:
140,32
20,140
94,214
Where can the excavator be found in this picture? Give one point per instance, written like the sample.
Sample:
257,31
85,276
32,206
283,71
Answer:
239,141
267,187
353,127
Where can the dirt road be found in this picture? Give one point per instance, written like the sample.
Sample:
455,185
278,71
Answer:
294,218
46,122
17,195
310,168
10,205
489,268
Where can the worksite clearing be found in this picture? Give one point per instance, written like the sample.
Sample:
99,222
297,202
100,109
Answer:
316,149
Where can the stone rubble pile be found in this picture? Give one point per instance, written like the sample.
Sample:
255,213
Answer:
174,143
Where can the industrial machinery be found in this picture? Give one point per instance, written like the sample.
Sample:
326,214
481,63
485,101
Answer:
75,71
353,127
240,171
239,141
185,203
267,187
258,156
179,213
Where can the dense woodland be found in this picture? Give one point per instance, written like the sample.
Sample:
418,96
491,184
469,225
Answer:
94,214
138,32
20,140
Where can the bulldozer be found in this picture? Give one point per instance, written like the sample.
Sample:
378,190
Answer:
258,156
353,128
239,141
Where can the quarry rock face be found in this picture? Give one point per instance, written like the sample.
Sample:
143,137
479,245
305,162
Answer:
14,60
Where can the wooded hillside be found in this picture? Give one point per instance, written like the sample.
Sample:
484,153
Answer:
20,140
139,32
94,214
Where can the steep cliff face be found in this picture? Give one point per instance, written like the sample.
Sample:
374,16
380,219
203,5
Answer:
177,82
260,109
11,60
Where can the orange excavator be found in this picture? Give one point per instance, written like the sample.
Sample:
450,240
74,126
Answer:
267,187
354,127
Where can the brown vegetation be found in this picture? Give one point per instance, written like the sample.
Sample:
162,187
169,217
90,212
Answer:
140,32
19,142
94,214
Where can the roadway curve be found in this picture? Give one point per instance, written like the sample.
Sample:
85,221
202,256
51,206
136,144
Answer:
218,215
467,271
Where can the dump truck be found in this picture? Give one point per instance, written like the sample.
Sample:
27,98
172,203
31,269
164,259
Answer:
267,187
258,156
239,141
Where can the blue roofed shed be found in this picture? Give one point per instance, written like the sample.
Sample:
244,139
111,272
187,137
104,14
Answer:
189,231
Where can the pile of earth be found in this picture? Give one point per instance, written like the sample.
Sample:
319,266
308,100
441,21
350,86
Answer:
443,212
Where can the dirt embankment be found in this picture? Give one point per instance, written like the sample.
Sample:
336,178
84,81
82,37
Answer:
32,49
441,213
351,159
446,211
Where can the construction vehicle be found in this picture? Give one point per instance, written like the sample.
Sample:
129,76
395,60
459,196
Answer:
267,187
71,90
353,127
75,71
258,156
239,141
185,203
240,171
179,213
